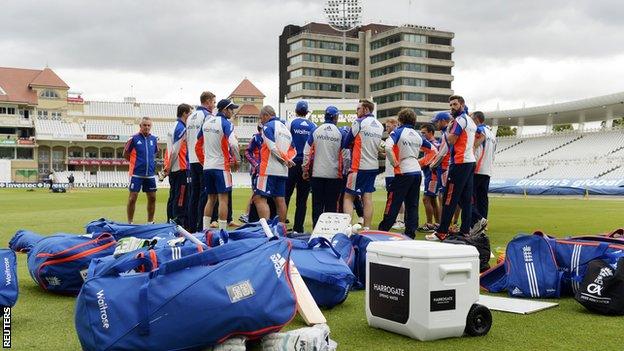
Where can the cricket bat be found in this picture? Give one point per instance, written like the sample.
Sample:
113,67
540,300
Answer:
306,306
189,236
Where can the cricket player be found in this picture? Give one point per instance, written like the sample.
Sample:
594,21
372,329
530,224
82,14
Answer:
177,168
484,150
217,149
430,195
194,123
276,157
402,149
323,164
141,150
300,128
364,141
460,138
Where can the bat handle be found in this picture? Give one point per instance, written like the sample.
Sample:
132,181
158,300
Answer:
189,236
265,227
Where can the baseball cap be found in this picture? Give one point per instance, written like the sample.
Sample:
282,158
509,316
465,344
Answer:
441,116
225,103
331,112
301,108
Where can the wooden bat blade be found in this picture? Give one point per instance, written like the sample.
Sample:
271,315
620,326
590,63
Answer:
306,306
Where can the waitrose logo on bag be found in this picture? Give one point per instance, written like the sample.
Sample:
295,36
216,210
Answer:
101,301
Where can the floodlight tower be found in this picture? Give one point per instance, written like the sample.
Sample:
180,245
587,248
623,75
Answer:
343,16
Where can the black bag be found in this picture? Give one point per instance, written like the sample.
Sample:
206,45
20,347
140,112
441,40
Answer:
481,241
602,289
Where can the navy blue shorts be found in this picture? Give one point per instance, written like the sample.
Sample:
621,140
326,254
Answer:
361,182
217,181
431,183
271,186
148,185
389,182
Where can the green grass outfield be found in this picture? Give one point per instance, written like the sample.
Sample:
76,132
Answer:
43,321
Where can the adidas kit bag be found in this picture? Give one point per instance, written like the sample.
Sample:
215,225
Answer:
602,288
480,241
360,243
59,263
10,290
531,268
123,230
240,288
326,275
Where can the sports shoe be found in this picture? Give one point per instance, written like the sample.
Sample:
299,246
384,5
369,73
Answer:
426,228
214,224
233,224
435,236
244,218
478,227
360,220
398,225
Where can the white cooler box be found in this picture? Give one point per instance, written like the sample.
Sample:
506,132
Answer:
424,290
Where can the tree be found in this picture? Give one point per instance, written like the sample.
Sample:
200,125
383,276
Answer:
618,122
506,131
562,127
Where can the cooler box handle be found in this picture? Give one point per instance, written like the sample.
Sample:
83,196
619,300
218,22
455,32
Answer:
446,269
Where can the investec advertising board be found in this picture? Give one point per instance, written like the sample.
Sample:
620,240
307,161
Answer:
317,108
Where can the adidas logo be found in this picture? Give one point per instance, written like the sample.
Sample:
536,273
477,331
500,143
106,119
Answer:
278,263
304,123
139,142
516,291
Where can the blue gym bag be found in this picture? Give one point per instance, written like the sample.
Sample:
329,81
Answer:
326,275
59,263
123,230
343,245
240,288
360,243
9,291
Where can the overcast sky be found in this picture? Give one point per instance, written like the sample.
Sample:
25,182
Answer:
507,53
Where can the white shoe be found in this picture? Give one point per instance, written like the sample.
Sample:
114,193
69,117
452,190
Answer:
435,237
360,220
478,227
398,225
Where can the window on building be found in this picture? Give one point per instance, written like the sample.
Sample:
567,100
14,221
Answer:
76,153
352,61
385,41
399,96
353,47
25,153
107,153
439,69
249,120
439,84
322,86
352,88
437,98
92,153
415,38
119,153
296,45
322,58
389,112
413,82
49,94
42,114
412,67
321,44
10,110
296,59
440,55
317,72
7,153
352,75
3,110
296,87
296,73
439,41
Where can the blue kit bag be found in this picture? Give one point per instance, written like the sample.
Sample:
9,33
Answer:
59,263
327,276
10,290
240,288
343,245
531,267
360,243
123,230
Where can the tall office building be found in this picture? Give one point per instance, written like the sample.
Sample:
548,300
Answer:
398,66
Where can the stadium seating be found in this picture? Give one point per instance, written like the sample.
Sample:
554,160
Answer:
532,148
58,129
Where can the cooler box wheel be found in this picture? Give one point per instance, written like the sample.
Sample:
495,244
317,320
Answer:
479,320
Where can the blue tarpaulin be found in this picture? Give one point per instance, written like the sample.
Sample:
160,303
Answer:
561,186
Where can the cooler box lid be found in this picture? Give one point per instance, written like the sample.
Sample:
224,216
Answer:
422,249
